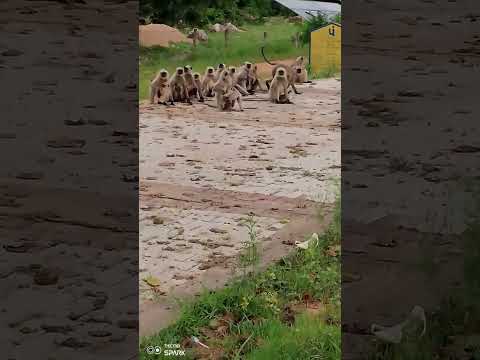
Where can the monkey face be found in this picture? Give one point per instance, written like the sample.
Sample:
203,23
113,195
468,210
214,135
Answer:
232,70
187,68
196,76
221,66
281,72
210,70
299,71
249,65
179,71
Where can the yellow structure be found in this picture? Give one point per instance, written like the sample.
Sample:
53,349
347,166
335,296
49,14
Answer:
326,48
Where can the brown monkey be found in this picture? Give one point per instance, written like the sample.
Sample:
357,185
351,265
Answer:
291,76
198,87
244,75
160,86
219,71
208,82
279,86
178,86
189,81
221,87
231,97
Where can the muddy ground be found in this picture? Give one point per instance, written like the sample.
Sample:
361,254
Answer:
203,172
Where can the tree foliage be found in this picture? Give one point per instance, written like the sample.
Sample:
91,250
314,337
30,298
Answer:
202,12
315,23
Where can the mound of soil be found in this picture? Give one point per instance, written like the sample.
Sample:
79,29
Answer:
160,35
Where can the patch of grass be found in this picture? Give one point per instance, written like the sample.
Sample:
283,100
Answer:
243,46
453,328
310,338
326,73
256,309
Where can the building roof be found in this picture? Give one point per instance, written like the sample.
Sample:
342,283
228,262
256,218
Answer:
327,25
308,9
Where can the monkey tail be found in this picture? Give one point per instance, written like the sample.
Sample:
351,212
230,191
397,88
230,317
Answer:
263,53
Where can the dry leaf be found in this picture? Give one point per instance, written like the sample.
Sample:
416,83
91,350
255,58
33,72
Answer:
152,281
333,250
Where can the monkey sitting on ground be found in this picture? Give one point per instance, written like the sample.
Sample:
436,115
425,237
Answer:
302,75
231,97
221,87
219,71
279,87
254,82
243,76
232,70
189,81
179,87
198,87
160,86
208,82
291,76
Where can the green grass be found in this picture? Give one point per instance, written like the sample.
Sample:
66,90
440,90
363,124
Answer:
310,337
243,46
257,304
452,328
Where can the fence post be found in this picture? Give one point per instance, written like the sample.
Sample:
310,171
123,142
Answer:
195,37
226,36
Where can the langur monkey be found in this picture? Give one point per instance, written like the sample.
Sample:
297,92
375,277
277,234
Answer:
219,71
279,86
234,80
208,82
291,76
189,81
221,87
160,86
231,97
254,80
244,76
178,86
198,87
301,73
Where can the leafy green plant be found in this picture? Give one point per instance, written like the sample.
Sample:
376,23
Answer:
249,257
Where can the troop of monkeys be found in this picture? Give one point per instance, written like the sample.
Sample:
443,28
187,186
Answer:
227,85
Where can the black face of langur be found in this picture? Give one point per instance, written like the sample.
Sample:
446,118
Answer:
281,72
210,71
180,72
221,66
299,71
187,68
196,77
163,74
249,66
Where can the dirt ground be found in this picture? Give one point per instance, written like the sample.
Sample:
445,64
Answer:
202,172
160,35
